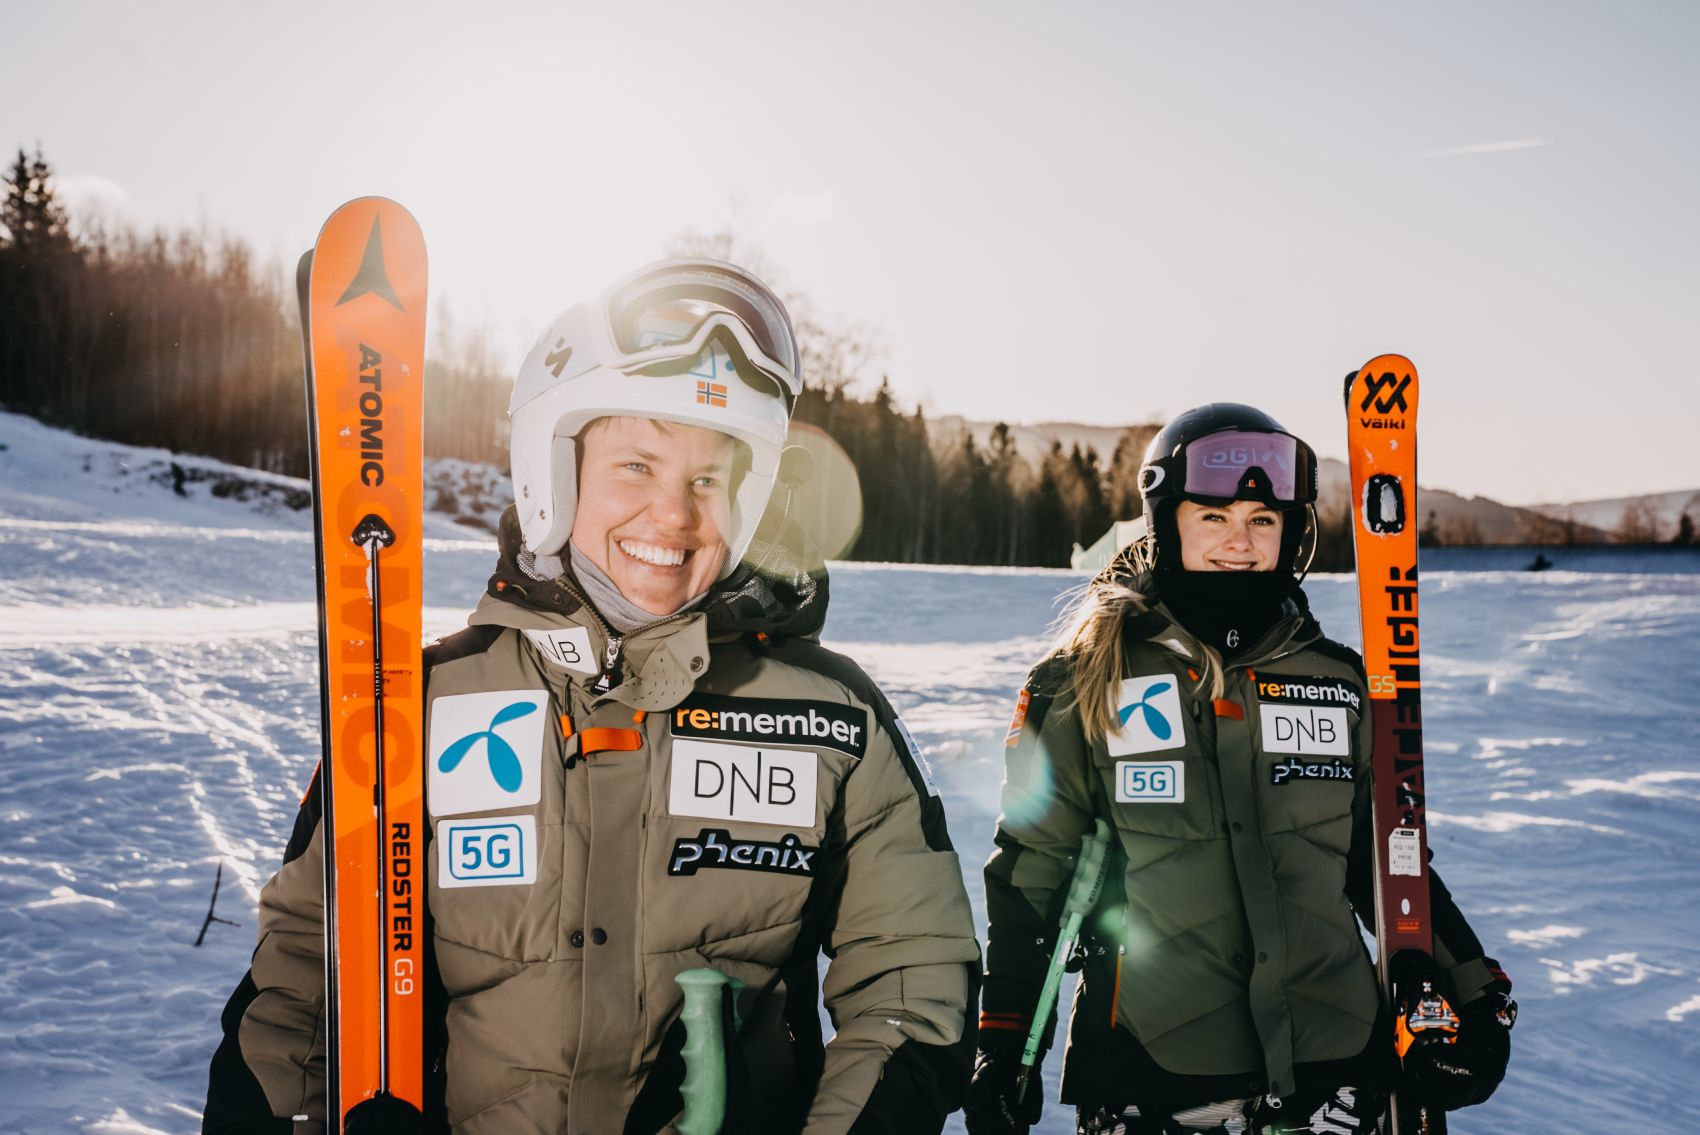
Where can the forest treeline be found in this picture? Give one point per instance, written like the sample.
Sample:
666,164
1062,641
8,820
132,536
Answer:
187,341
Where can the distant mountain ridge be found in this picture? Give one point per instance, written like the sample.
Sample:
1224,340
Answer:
1458,519
1660,513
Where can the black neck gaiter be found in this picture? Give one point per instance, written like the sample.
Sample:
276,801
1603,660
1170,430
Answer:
1229,611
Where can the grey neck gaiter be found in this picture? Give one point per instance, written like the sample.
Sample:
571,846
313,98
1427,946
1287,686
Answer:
622,614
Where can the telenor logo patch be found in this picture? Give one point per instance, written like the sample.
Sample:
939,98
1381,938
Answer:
772,721
1309,691
485,751
1148,712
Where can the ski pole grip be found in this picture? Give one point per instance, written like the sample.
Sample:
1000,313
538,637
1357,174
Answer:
1082,894
1088,874
704,1089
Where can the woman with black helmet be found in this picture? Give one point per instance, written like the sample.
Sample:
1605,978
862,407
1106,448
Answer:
1193,703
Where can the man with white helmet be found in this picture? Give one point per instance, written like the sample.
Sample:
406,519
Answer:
706,784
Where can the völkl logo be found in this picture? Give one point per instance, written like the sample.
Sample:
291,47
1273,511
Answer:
1393,385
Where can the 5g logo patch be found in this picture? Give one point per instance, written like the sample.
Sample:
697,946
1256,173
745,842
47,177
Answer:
498,852
1150,782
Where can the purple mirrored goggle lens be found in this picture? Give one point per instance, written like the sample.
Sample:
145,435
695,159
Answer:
1218,466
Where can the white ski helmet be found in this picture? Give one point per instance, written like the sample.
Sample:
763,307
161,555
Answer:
695,341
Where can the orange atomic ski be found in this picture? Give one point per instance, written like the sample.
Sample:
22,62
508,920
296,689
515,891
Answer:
362,293
1381,435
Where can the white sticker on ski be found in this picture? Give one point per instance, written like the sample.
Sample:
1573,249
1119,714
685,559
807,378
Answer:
1405,852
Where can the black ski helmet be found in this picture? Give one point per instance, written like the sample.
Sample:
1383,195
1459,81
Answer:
1254,458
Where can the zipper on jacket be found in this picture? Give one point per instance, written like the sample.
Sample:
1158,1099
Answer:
606,680
616,641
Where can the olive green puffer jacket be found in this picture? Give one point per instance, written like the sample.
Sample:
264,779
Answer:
1225,960
736,799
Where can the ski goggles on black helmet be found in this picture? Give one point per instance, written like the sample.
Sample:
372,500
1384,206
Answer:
668,313
1270,466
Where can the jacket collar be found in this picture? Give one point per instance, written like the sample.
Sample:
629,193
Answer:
659,663
1148,619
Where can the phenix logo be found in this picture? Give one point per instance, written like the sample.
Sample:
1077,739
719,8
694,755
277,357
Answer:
715,847
1154,719
504,762
1295,769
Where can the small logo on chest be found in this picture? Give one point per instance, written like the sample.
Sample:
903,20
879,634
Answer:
1294,769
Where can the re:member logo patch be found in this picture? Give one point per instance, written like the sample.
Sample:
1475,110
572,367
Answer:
773,721
1287,690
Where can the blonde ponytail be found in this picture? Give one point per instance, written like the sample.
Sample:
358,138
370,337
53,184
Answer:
1091,635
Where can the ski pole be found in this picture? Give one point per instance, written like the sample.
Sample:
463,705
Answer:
1082,896
704,1088
370,535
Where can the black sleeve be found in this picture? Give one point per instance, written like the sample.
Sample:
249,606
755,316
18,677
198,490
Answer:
921,1084
236,1104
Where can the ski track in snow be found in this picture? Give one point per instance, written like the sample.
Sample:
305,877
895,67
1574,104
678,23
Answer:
160,718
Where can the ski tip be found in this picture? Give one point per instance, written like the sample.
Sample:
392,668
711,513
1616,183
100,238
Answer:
1383,364
1347,393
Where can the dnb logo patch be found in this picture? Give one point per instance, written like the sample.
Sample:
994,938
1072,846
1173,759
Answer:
485,751
500,851
1148,716
773,721
717,781
567,647
1306,730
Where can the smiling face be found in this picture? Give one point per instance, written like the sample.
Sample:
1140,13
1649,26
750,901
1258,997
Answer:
653,508
1242,536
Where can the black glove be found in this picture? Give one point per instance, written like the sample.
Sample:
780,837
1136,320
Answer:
992,1107
1451,1076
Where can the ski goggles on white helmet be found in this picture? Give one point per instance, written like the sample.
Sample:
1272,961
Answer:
1237,464
670,311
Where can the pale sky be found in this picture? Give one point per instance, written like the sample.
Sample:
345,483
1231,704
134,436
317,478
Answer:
1100,212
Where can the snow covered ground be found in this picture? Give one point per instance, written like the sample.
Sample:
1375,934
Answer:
157,659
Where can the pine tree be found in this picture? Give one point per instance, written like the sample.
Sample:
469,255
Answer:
33,218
